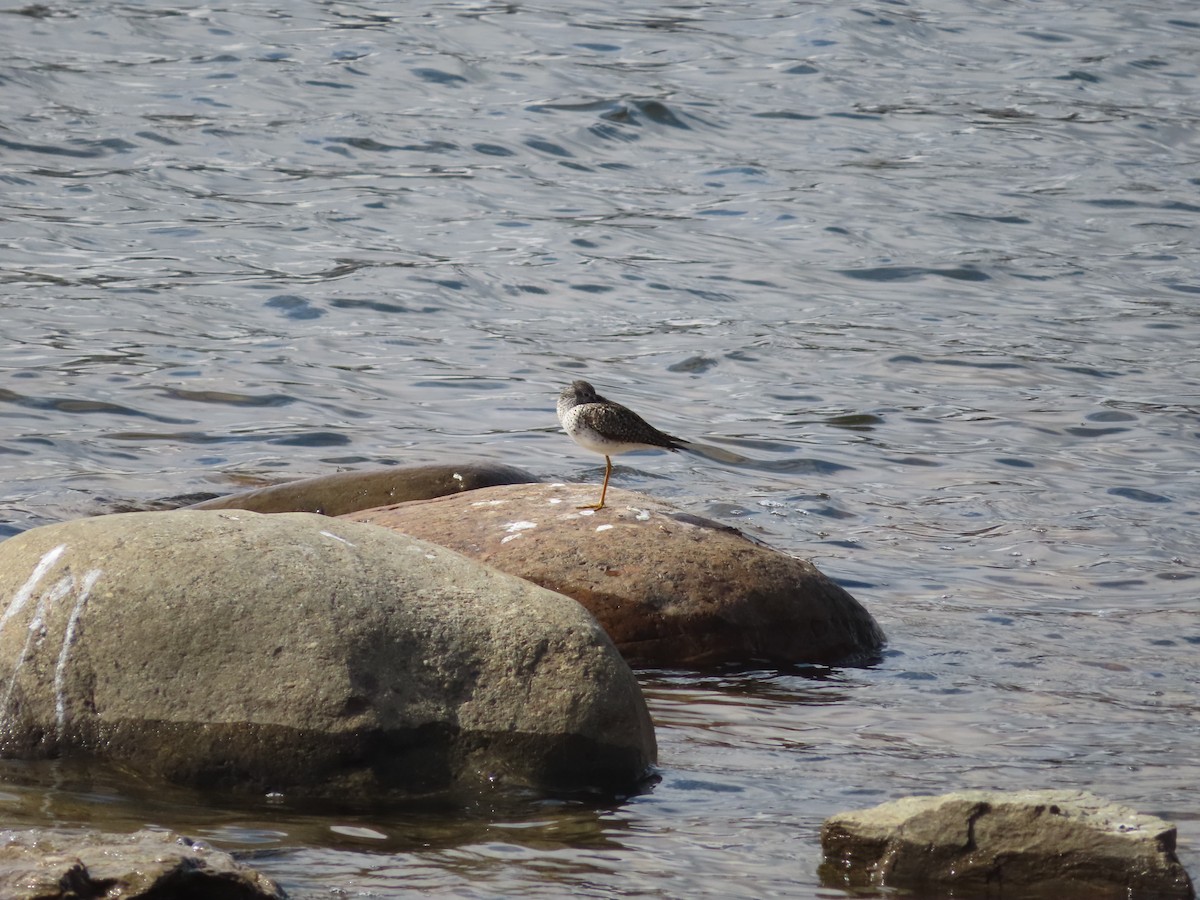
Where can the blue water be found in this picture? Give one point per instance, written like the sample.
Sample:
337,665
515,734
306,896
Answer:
933,265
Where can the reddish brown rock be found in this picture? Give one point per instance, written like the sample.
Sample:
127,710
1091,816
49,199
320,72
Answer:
346,492
671,589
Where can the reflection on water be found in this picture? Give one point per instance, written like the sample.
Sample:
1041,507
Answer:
926,269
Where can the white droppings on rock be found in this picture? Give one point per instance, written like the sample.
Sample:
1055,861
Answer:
60,668
519,526
48,600
330,534
514,530
642,515
37,630
489,503
603,527
25,591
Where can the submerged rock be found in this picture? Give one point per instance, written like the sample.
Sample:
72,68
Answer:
345,492
1056,845
305,655
41,864
671,589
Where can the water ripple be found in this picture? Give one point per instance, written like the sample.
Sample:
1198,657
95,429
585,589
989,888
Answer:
928,271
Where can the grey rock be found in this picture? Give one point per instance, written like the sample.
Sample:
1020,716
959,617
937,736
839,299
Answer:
345,492
40,864
1027,844
300,654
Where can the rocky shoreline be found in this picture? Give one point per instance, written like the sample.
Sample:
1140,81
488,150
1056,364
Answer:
444,630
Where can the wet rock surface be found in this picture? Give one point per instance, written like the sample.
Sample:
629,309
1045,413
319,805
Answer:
1057,845
46,864
671,589
305,655
345,492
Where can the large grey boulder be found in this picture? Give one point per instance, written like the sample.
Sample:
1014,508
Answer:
39,864
1029,844
304,655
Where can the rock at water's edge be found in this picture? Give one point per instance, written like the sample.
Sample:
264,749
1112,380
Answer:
671,589
1031,844
40,864
345,492
307,655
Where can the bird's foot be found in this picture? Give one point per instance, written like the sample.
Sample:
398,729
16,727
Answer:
591,506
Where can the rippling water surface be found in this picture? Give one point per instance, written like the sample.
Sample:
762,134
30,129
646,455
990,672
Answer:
934,265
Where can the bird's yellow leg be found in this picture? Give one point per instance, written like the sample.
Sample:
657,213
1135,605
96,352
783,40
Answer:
603,489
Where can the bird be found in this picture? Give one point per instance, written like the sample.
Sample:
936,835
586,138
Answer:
608,428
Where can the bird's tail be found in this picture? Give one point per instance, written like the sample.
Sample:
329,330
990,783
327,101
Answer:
708,451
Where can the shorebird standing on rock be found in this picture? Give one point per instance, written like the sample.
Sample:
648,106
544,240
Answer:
607,428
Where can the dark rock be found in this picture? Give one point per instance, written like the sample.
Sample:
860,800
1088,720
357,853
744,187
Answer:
670,589
1036,845
306,655
346,492
41,864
